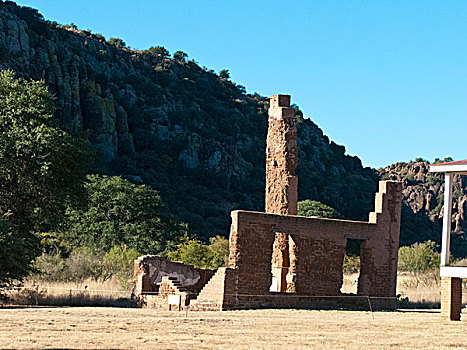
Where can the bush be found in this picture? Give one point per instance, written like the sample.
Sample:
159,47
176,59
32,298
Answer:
224,74
117,42
86,263
419,257
180,56
51,268
157,51
315,208
118,263
200,255
351,263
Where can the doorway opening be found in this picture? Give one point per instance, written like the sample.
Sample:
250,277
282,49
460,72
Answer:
351,266
282,264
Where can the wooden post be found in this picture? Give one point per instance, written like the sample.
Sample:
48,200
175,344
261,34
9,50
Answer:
446,238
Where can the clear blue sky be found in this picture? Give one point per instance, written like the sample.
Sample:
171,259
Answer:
386,79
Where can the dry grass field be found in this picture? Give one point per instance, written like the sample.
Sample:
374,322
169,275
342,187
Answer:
422,290
113,328
124,328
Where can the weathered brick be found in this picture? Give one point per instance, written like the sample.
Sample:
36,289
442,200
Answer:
304,254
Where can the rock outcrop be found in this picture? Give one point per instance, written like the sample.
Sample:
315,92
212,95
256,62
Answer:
196,137
180,128
423,196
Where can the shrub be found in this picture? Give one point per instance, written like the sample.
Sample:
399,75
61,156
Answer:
180,56
118,262
117,42
157,51
51,268
84,263
224,74
419,257
200,255
218,251
351,263
315,208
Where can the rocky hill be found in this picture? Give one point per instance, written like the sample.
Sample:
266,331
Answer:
423,194
190,133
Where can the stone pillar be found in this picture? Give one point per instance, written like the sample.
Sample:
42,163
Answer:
281,181
281,158
451,298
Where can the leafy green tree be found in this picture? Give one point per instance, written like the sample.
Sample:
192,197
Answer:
157,51
224,74
180,56
119,263
190,251
17,250
118,212
117,42
218,252
41,170
200,255
318,209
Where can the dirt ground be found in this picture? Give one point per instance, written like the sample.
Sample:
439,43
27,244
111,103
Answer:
113,328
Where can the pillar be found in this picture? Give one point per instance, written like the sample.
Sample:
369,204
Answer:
451,298
447,213
281,181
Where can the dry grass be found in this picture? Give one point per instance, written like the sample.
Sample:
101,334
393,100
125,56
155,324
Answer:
120,328
85,328
420,289
88,293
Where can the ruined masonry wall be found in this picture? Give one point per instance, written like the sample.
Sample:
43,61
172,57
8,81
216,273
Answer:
149,271
320,248
288,253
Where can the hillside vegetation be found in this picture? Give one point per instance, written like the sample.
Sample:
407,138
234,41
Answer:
184,130
194,135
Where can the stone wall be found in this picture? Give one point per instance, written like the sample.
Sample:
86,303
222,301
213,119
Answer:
319,253
278,259
156,277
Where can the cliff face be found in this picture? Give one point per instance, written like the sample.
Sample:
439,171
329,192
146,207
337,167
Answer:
423,194
196,137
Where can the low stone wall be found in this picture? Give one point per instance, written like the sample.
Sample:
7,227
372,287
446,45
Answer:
293,301
156,278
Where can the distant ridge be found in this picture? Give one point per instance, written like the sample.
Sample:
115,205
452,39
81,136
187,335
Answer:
184,130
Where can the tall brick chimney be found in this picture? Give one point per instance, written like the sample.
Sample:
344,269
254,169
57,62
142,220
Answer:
282,186
281,158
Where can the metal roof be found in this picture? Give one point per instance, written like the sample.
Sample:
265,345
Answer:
458,166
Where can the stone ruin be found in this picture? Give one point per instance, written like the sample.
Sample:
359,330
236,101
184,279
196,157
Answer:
278,259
